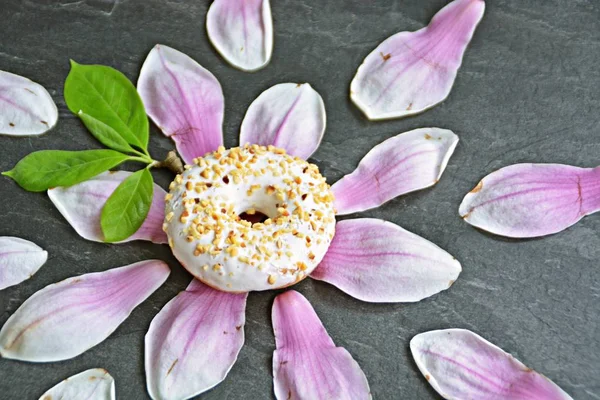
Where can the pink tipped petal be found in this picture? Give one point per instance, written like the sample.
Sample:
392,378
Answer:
26,108
193,342
184,100
242,32
461,365
19,260
67,318
93,384
410,161
377,261
529,200
413,71
306,363
289,115
82,204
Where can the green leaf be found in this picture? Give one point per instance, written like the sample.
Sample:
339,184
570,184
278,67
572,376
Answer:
105,134
50,168
127,208
105,94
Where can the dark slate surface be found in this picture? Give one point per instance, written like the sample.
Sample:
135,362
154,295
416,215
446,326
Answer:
528,91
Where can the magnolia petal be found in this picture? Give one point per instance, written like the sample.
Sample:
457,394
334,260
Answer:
184,100
410,161
306,363
19,260
26,108
413,71
93,384
377,261
529,200
242,32
288,115
462,365
67,318
193,342
82,204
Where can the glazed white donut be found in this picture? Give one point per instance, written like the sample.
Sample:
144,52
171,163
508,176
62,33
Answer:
208,237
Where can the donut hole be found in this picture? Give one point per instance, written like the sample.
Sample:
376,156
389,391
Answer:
254,206
253,217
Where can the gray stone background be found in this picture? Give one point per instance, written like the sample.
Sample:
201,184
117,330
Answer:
528,91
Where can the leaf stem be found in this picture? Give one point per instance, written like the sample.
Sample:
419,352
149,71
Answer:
144,159
145,154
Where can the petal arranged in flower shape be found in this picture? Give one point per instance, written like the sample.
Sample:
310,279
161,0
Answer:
19,260
410,161
529,200
67,318
26,108
242,32
193,342
93,384
413,71
82,204
288,115
462,365
377,261
184,100
306,363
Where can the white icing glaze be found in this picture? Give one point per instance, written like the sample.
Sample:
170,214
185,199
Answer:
228,253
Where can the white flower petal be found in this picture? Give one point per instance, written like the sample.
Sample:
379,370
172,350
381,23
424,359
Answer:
531,200
405,163
377,261
242,32
26,108
289,116
306,364
184,100
93,384
413,71
461,365
82,204
19,260
193,342
67,318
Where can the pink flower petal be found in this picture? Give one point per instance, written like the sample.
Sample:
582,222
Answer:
528,200
19,260
242,32
462,365
26,108
290,116
193,342
184,100
82,204
306,364
410,161
67,318
377,261
413,71
93,384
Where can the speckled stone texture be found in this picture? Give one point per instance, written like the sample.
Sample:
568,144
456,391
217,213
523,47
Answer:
528,91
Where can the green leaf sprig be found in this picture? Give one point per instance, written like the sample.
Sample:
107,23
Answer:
110,107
